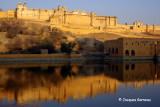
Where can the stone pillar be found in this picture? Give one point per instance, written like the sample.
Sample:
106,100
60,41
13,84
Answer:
147,28
154,28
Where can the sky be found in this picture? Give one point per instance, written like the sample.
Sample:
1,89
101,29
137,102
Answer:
127,11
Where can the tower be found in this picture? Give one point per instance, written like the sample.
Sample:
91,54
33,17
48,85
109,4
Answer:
21,6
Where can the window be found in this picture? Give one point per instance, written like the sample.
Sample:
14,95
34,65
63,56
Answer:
116,50
113,68
112,50
133,52
109,50
133,66
127,67
116,68
127,52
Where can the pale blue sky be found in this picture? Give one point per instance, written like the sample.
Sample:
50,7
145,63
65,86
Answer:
129,11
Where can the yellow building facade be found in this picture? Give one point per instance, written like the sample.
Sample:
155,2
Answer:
132,48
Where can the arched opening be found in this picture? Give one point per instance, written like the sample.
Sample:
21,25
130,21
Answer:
109,50
133,53
127,52
113,68
116,51
133,66
127,67
116,68
112,50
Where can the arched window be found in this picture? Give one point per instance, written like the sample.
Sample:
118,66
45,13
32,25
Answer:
133,53
113,68
127,67
112,50
109,50
127,52
116,68
116,51
133,66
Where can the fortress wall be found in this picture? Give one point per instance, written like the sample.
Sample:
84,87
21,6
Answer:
27,14
45,14
8,14
86,20
113,21
11,13
3,14
83,20
38,14
99,21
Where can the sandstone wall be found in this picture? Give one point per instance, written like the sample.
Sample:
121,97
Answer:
8,14
37,14
3,14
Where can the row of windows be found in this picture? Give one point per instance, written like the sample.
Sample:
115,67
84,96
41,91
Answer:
127,53
113,50
116,68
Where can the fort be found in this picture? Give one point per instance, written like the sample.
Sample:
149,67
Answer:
60,16
76,20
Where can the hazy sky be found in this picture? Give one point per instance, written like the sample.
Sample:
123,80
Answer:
147,11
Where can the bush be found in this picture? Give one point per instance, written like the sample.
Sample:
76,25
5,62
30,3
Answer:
67,48
37,49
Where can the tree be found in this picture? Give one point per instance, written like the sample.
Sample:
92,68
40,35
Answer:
50,47
67,48
1,9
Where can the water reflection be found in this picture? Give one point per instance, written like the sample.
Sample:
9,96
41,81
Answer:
59,82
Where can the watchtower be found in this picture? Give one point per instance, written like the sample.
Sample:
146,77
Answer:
22,6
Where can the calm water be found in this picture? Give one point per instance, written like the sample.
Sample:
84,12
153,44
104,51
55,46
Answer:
80,85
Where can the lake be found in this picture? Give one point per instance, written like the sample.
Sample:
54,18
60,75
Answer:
80,84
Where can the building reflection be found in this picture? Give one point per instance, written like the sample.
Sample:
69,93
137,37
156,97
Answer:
136,74
59,82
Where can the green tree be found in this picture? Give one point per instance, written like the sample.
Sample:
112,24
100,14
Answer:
67,48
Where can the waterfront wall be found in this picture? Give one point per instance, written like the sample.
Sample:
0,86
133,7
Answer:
128,58
41,57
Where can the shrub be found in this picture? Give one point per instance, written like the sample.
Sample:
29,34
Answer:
67,48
